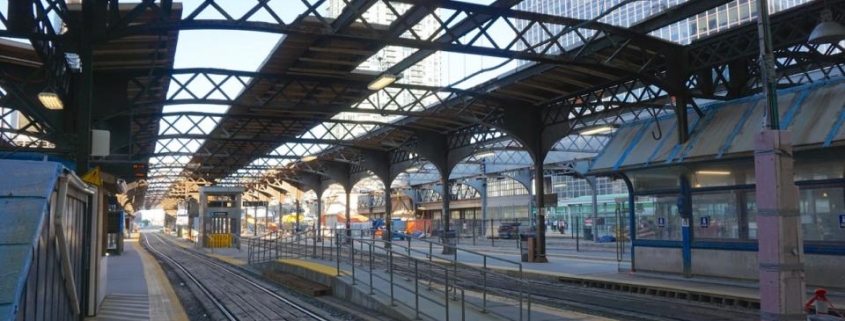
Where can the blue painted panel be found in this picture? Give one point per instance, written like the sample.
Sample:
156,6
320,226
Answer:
658,243
38,157
826,248
20,219
13,268
28,178
717,245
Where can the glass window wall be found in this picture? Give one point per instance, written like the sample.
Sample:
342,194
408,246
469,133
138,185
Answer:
822,210
724,215
657,218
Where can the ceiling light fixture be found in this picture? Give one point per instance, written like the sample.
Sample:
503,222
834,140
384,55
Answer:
382,81
412,169
717,173
485,154
308,158
827,31
51,100
596,130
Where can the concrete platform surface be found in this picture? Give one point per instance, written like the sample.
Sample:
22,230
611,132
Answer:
137,289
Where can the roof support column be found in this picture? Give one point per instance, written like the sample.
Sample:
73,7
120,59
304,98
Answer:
84,93
387,236
448,238
341,173
676,87
379,163
525,124
435,148
318,230
539,200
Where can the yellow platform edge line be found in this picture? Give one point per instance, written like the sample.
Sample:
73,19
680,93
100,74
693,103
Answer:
227,259
316,267
164,304
671,287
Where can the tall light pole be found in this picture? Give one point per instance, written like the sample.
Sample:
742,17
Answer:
780,243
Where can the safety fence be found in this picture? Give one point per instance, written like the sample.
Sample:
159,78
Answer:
407,265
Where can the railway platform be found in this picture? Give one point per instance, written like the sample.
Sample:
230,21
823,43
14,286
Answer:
591,270
137,289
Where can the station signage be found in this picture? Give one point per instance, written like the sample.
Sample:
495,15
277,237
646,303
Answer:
705,221
661,222
140,170
842,221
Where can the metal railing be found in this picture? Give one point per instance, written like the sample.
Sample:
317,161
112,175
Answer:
276,245
420,262
414,273
455,275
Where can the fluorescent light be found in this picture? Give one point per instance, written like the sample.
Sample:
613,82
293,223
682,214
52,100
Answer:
720,173
308,158
412,169
485,154
382,81
597,130
51,100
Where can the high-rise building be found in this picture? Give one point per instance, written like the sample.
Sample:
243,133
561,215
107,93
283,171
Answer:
683,32
426,72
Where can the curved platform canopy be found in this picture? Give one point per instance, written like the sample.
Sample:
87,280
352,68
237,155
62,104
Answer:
361,88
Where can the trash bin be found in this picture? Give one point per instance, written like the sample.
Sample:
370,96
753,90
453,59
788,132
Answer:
449,239
588,233
525,246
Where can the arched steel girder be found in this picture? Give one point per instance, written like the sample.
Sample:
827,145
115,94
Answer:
219,118
317,26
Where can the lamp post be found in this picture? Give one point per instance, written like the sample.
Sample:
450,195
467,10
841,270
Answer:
780,245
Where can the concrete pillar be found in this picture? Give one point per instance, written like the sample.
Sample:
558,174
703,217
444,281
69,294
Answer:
781,248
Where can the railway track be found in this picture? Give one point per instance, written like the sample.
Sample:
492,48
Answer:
591,301
228,293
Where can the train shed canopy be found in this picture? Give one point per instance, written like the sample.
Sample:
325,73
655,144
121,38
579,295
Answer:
340,90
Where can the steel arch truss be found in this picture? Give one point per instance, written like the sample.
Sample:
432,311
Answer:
462,27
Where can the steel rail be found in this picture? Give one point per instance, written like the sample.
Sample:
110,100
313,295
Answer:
228,314
238,275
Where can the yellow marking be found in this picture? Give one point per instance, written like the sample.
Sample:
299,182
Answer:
316,267
226,259
164,304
